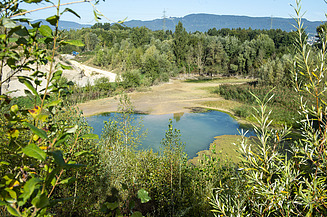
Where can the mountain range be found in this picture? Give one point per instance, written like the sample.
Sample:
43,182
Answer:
204,22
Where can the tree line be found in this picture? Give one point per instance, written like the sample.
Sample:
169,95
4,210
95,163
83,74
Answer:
147,57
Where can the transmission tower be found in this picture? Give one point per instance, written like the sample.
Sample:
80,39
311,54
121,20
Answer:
164,20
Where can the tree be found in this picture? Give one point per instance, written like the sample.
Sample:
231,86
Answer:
91,40
321,33
216,57
180,43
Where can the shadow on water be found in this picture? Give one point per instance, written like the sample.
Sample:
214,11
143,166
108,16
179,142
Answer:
197,129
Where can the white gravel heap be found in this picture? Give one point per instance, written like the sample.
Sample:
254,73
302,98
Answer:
81,75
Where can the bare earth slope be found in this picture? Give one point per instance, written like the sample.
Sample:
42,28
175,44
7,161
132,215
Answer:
173,97
80,74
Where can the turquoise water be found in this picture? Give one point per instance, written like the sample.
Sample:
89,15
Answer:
197,129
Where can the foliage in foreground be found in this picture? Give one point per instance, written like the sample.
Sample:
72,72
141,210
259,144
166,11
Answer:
273,180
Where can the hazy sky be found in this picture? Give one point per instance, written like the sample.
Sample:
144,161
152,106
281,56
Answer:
117,10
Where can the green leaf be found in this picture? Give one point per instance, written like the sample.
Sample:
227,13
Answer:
36,25
34,151
37,131
12,193
2,203
3,36
45,31
52,176
143,195
77,43
11,62
68,180
8,23
18,30
41,201
53,20
137,214
28,84
21,41
81,153
70,11
112,206
4,163
58,157
56,75
64,66
29,188
53,103
90,136
12,211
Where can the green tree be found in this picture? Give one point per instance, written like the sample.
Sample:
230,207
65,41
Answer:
180,43
91,40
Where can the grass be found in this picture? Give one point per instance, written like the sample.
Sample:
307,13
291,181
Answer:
223,147
219,80
222,104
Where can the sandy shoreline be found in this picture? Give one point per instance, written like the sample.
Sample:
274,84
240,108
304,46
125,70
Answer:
173,97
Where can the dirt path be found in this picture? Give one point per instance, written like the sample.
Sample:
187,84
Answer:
173,97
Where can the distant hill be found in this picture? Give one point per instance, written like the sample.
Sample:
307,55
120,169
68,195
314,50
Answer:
67,25
204,22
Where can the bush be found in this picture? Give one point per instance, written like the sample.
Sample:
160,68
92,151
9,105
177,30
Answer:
131,79
279,176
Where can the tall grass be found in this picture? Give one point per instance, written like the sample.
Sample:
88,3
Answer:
284,104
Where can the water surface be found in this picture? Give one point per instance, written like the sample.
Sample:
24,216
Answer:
197,129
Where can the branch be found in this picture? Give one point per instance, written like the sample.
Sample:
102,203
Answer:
52,6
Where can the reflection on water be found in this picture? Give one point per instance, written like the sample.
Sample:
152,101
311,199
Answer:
177,116
197,129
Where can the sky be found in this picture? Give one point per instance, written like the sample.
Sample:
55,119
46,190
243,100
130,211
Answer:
116,10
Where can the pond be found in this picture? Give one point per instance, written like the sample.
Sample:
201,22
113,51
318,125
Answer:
197,129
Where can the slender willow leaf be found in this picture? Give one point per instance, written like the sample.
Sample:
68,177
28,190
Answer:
90,136
28,84
58,158
68,180
70,11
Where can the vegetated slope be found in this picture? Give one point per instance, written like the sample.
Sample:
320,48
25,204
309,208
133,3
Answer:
63,25
204,22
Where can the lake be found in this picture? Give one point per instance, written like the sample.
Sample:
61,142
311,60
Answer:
197,129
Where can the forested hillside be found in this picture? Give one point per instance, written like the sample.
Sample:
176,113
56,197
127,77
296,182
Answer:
204,22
